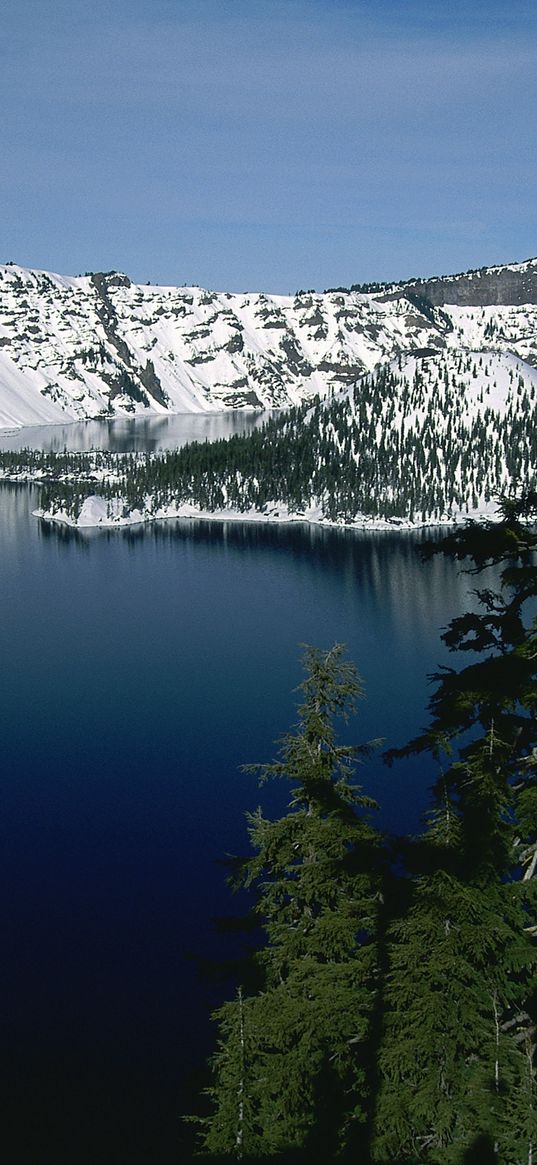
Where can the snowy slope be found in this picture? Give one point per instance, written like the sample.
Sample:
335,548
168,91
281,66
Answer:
100,345
429,439
460,427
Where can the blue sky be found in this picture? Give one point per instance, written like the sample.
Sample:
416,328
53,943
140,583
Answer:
269,145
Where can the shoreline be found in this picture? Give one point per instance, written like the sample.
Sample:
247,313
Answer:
95,514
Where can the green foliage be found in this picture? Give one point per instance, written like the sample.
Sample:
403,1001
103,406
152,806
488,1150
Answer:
460,963
315,872
457,1056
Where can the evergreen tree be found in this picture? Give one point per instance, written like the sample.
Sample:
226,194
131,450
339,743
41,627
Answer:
457,1057
289,1071
452,1064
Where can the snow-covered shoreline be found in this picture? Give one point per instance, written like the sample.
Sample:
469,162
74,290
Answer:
97,513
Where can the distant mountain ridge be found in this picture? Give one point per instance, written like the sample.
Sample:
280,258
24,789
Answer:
508,286
100,345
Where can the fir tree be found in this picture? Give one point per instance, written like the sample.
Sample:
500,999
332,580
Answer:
452,1065
294,1052
457,1058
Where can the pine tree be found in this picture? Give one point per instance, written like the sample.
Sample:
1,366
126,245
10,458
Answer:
454,1057
457,1058
296,1057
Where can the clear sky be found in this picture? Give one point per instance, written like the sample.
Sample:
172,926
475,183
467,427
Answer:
268,144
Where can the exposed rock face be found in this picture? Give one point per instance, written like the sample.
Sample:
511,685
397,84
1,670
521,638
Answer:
99,345
492,286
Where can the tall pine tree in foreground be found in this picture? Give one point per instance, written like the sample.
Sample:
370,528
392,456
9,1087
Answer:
457,1057
289,1070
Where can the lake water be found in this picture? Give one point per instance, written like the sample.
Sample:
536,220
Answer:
140,669
123,434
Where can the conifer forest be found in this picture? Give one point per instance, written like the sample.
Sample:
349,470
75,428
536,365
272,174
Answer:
430,441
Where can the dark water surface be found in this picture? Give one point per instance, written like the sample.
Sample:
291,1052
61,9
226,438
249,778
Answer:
140,668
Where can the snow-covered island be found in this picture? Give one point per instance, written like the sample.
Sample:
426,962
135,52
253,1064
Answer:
424,440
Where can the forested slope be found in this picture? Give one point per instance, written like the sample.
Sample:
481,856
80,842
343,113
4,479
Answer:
422,440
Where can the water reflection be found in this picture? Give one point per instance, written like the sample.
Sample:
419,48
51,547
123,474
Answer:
383,569
127,434
386,568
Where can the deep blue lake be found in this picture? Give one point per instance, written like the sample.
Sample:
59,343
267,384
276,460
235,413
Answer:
140,669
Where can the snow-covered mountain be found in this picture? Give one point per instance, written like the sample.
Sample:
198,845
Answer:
97,345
